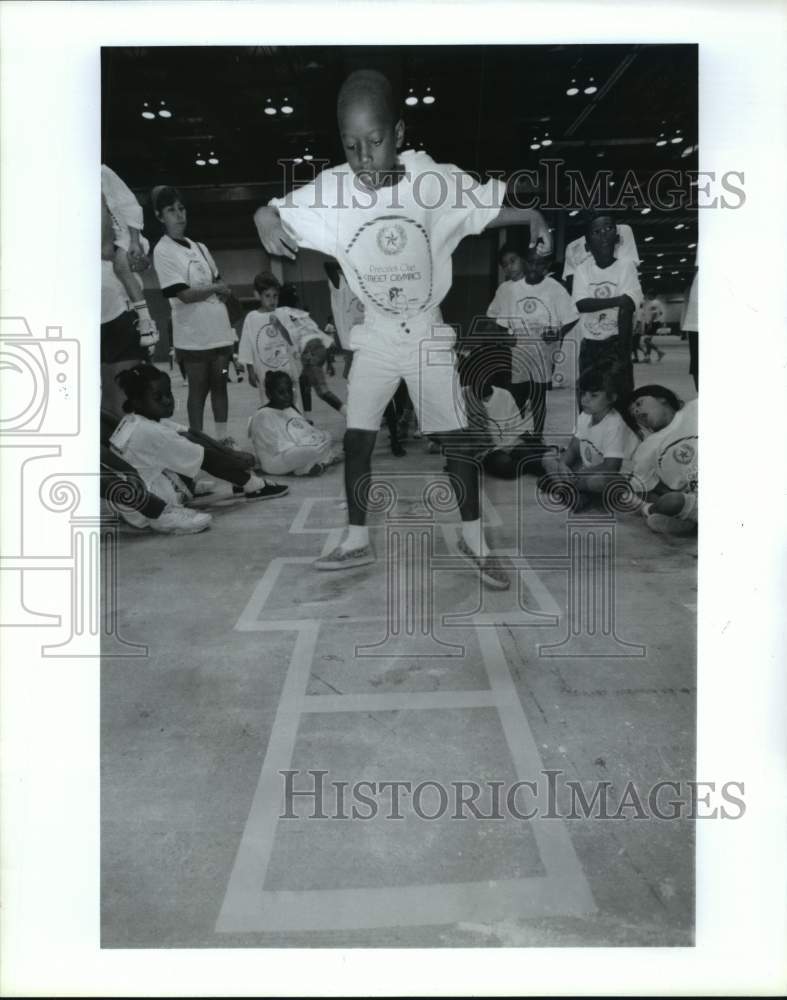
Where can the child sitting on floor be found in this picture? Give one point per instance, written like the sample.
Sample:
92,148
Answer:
283,440
601,441
665,463
162,451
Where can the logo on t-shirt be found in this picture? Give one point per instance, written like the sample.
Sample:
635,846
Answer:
392,239
683,452
403,287
602,291
605,323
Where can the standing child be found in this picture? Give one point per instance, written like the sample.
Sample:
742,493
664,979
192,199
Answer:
606,292
539,312
392,223
601,443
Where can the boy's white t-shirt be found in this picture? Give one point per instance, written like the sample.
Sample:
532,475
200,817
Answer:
124,209
272,341
196,326
273,432
528,311
690,321
156,449
577,251
611,437
346,309
594,282
394,245
505,423
670,456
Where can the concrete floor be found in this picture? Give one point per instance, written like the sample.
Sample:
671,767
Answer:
257,664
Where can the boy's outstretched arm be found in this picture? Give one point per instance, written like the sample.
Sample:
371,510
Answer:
273,236
539,230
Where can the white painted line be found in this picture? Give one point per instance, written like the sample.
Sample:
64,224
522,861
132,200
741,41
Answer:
396,701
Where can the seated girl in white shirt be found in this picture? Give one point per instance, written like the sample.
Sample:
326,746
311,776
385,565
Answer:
163,451
601,443
283,440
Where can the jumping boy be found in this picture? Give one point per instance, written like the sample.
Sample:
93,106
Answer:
392,223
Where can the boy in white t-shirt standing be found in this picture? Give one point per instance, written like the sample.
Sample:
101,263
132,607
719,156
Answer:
392,222
606,292
539,313
601,443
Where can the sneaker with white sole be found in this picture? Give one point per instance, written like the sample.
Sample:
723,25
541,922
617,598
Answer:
340,558
176,520
133,518
261,489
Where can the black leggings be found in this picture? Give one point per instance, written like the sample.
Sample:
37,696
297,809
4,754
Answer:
536,392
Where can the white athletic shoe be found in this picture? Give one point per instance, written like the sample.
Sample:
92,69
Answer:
176,520
133,517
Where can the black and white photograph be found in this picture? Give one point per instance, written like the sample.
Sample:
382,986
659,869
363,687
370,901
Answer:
384,561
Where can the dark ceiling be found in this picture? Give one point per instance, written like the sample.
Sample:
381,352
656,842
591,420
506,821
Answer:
491,102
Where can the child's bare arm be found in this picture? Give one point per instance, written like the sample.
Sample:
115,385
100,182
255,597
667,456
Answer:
539,230
272,234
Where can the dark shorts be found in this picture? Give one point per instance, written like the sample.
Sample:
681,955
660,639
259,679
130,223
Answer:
205,357
120,340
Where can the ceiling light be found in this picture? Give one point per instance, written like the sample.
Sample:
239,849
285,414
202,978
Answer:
648,239
591,87
687,152
213,160
573,89
673,272
661,142
676,140
164,112
659,267
683,260
200,162
574,211
535,145
308,156
546,141
298,159
644,211
679,225
286,109
659,254
657,277
147,113
411,100
429,98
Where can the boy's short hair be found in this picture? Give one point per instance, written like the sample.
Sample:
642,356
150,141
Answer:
164,195
371,86
591,215
601,378
658,392
506,248
265,280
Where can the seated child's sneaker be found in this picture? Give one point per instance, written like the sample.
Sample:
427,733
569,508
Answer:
132,517
261,489
176,520
664,525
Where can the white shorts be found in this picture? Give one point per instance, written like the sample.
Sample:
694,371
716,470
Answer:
424,358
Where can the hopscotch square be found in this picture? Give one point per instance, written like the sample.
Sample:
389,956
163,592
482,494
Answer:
337,670
330,854
249,907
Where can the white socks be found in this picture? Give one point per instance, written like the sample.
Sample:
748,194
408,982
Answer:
254,483
473,534
221,430
357,537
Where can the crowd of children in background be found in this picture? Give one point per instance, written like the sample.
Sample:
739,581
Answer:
586,332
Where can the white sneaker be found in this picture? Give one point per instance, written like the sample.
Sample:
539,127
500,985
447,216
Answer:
176,520
133,517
